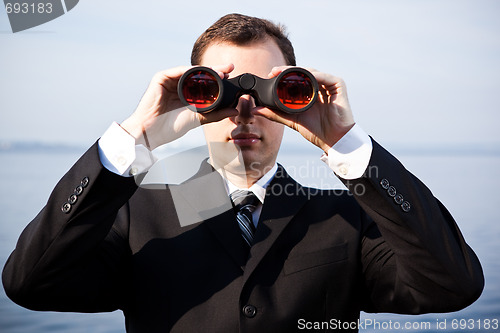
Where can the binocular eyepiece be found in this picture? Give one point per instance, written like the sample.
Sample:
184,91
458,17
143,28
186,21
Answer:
202,90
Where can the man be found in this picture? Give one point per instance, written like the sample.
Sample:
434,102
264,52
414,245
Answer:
101,243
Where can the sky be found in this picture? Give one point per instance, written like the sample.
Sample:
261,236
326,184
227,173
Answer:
417,72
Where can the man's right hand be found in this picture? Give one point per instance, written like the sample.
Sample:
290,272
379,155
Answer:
161,117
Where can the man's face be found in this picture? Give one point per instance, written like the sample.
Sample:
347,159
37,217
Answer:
257,138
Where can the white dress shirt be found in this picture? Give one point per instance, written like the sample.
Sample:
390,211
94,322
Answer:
348,158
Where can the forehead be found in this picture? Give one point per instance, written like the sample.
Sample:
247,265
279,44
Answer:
257,58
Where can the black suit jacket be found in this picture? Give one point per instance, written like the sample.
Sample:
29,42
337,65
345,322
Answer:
319,255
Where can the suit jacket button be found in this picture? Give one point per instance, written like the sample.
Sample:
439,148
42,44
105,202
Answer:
391,191
249,311
398,199
406,206
78,190
84,182
384,183
73,199
66,207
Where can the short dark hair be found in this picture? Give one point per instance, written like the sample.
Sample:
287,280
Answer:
242,30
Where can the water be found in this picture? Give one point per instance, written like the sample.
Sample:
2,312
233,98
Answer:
466,183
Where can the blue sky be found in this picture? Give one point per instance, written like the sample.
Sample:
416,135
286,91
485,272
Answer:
417,72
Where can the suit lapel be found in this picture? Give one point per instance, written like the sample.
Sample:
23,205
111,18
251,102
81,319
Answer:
284,198
203,198
225,229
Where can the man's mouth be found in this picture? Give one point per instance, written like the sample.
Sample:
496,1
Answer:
245,139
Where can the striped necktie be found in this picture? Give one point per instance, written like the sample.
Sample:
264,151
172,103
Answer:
244,203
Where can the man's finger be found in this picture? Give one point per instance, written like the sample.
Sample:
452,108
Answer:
223,70
170,74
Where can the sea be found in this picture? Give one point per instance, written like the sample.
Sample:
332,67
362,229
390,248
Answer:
465,180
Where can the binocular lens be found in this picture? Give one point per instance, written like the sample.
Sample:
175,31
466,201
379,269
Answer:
200,89
295,90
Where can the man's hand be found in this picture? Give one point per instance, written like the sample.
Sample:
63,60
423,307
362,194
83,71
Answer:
327,121
161,117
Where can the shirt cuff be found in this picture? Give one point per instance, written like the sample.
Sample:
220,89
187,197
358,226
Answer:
350,156
119,153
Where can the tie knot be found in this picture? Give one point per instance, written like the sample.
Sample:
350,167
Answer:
243,198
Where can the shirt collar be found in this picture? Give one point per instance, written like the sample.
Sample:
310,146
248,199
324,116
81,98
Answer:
259,188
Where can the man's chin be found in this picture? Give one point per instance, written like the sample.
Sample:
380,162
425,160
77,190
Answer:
238,159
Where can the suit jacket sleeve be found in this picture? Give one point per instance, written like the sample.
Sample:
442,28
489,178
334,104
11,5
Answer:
414,258
73,242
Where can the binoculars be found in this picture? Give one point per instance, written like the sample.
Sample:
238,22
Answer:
293,91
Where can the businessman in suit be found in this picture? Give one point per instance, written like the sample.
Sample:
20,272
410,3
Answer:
176,258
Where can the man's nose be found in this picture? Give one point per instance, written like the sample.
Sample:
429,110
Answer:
245,105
